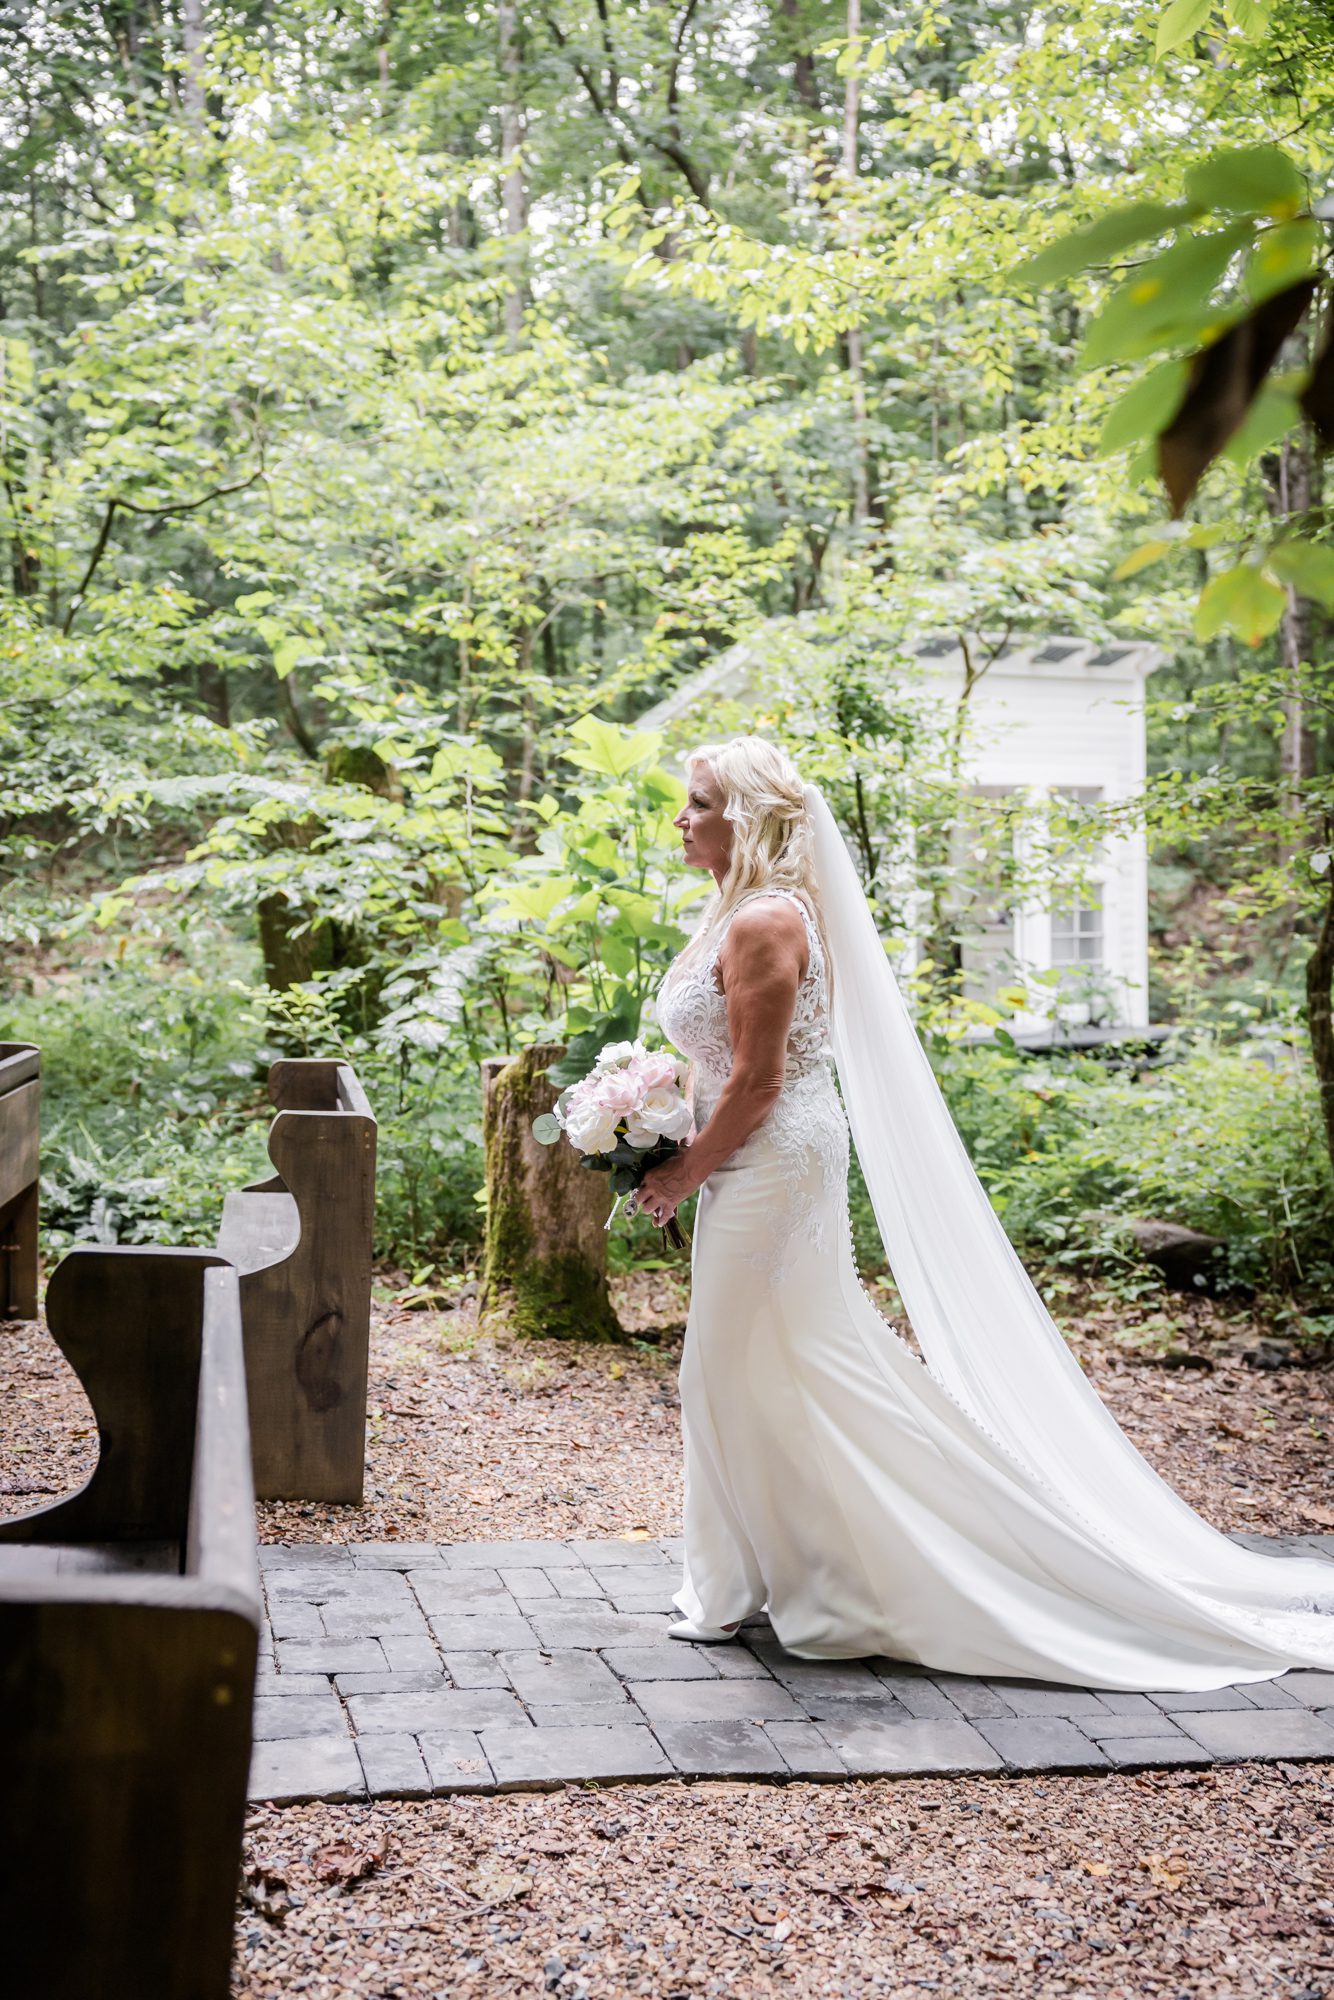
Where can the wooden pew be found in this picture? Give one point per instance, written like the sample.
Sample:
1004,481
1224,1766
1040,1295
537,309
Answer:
129,1620
302,1244
20,1101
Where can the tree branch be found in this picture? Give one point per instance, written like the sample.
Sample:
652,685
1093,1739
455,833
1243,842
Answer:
132,507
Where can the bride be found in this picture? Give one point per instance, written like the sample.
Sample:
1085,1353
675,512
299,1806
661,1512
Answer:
982,1513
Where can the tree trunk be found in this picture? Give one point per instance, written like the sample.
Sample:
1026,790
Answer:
1320,1002
511,139
1291,498
546,1247
861,482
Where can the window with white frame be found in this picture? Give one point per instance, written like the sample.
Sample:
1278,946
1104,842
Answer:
1077,939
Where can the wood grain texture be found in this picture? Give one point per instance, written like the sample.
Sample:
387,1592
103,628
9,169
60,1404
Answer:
20,1145
305,1300
126,1692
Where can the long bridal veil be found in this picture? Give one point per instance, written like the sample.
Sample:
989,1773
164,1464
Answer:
983,1329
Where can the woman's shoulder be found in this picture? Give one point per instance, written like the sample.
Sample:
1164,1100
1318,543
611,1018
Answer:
767,916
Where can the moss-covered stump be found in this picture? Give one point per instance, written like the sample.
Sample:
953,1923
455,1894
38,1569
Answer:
546,1246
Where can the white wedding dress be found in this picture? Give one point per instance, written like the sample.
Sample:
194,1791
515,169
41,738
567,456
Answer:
834,1478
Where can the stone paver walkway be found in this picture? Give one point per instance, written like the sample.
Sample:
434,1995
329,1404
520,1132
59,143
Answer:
398,1671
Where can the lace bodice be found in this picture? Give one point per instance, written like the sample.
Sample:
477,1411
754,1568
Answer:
692,1009
806,1126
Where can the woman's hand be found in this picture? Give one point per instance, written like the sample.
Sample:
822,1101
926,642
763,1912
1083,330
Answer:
664,1188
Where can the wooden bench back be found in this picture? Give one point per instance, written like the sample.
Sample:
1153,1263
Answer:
20,1144
126,1694
306,1310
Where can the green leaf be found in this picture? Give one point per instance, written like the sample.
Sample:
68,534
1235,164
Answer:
1249,17
1163,296
618,953
1281,256
610,749
1242,600
1307,566
1140,558
1098,242
1183,19
582,911
286,655
1146,407
254,601
535,900
547,1129
1248,180
1270,417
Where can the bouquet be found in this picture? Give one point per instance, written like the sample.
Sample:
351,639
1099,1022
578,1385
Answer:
627,1115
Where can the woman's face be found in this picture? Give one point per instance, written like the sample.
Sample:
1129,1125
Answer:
706,837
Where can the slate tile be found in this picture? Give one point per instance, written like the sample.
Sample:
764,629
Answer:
420,1681
635,1576
615,1551
575,1583
1260,1732
1119,1728
405,1656
304,1555
309,1715
527,1757
296,1620
873,1748
657,1597
394,1555
805,1750
1133,1751
920,1696
1212,1699
838,1680
972,1698
452,1590
1120,1701
509,1555
830,1713
1042,1743
476,1670
480,1631
373,1622
437,1709
530,1582
269,1683
733,1663
1032,1699
561,1677
720,1749
715,1701
597,1626
330,1656
1311,1688
673,1661
393,1767
554,1715
674,1546
455,1761
338,1586
306,1767
1271,1694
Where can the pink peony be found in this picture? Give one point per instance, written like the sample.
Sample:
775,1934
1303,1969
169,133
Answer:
657,1070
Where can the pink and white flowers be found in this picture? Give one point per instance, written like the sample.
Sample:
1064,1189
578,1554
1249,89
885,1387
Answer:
632,1093
627,1115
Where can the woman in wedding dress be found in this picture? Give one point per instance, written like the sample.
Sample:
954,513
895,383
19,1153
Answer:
980,1511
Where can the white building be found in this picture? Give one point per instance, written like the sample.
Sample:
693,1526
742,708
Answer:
1049,716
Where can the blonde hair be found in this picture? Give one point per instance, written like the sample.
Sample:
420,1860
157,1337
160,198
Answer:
773,843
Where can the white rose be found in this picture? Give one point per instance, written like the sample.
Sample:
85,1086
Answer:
615,1054
590,1128
664,1111
642,1136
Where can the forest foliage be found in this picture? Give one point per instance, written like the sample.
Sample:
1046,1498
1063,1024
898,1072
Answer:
397,400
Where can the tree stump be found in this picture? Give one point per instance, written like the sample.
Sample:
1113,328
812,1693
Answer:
546,1246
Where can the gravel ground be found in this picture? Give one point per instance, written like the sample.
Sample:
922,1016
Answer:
473,1436
1211,1884
1174,1883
